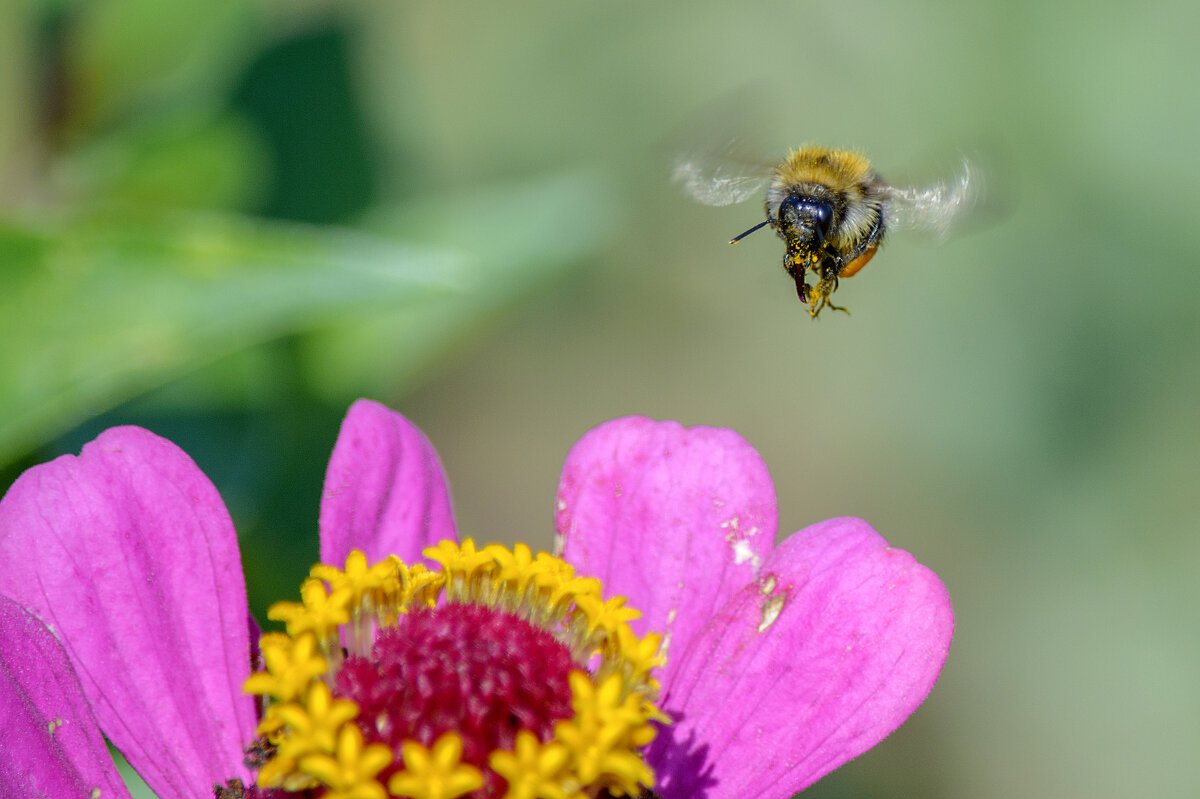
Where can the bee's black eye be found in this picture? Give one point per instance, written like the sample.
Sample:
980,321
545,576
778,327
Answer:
822,214
797,209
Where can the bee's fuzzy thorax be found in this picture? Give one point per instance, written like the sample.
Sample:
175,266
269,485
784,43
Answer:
840,170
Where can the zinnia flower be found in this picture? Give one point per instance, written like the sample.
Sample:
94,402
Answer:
751,669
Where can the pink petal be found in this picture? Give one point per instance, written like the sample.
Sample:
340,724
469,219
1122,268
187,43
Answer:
676,519
766,704
127,553
385,492
52,746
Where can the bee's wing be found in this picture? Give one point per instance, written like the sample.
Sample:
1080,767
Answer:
720,176
938,207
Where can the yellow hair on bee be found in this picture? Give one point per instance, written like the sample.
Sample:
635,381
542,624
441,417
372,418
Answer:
839,170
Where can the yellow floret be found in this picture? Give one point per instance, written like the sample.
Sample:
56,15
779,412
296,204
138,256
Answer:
464,567
366,583
601,736
291,664
320,611
534,770
436,773
351,769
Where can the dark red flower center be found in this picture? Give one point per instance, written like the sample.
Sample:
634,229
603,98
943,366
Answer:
463,668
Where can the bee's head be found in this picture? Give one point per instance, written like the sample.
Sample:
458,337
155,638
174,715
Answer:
801,219
804,221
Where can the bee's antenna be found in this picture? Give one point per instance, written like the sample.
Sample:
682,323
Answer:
741,236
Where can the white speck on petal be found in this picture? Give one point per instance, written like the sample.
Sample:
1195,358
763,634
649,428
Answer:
561,505
771,609
768,585
666,641
742,553
738,541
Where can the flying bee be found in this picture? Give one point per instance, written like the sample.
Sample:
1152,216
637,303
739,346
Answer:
831,209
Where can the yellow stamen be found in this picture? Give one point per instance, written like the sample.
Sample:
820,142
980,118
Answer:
601,618
601,736
463,565
421,587
292,663
320,611
313,725
516,576
350,771
635,657
368,585
534,771
436,773
560,599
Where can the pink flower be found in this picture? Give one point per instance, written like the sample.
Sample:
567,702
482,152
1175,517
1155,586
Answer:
782,662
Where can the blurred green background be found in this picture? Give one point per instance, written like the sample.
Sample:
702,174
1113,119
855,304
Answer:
226,221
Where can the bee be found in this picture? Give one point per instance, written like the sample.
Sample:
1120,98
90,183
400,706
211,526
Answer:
830,207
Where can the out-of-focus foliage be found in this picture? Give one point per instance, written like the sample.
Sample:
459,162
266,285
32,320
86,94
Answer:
507,257
145,134
93,310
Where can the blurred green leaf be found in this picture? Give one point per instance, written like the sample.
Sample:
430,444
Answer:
186,159
517,236
96,309
302,95
123,53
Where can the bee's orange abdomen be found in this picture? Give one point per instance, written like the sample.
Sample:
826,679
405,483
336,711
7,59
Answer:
858,263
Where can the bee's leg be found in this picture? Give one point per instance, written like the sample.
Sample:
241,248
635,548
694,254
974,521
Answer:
824,289
824,302
833,307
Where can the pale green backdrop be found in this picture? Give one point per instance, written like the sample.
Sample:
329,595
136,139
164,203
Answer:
258,212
